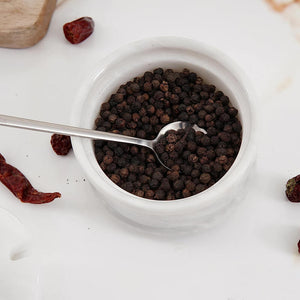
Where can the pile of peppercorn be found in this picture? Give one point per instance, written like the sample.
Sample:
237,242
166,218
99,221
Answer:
141,107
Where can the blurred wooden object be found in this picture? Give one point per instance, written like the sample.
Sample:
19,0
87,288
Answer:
281,5
23,23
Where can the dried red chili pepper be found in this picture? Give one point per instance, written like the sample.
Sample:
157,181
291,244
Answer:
293,189
79,30
20,186
61,144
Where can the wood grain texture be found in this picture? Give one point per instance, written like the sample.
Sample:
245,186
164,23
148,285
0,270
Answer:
23,23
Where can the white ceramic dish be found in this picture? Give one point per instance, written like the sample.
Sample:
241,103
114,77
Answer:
197,211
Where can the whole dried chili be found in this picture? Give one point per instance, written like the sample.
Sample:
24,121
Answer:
293,189
61,144
20,186
78,30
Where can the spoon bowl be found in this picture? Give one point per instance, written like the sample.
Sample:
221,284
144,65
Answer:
172,126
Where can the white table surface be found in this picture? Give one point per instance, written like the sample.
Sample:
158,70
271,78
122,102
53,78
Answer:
73,248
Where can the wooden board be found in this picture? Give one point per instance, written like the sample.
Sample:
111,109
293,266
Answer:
23,23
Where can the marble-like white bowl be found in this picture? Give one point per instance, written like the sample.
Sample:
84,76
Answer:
203,209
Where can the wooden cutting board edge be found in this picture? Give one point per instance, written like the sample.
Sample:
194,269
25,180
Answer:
29,34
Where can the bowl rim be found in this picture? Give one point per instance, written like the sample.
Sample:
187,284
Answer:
205,198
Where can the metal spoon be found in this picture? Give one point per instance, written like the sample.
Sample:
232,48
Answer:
93,134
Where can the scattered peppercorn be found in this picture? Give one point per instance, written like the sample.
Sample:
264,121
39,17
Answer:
141,107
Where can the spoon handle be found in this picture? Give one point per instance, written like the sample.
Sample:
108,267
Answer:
70,130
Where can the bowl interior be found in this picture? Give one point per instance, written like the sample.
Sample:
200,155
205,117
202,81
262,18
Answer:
140,57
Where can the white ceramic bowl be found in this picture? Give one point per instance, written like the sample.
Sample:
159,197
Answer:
201,210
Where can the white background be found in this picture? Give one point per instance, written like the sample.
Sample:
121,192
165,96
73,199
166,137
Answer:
73,248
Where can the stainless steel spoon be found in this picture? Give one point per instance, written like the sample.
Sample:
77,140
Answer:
92,134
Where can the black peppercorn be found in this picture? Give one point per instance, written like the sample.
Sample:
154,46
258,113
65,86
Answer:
164,87
165,185
183,116
149,194
165,119
131,177
173,175
124,172
139,193
158,71
135,87
153,183
191,146
127,186
157,175
205,140
232,111
186,169
159,195
193,158
115,178
171,137
200,188
147,87
224,117
107,159
237,127
217,167
223,159
186,193
224,136
190,185
178,185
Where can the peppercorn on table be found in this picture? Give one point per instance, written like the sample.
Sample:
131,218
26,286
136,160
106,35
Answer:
73,247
